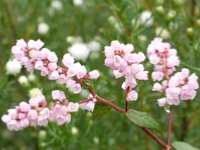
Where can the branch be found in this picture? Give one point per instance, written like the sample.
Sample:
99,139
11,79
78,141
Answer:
109,103
169,130
154,137
104,101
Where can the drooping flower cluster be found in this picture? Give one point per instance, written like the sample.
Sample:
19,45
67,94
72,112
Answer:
163,57
176,87
37,113
26,114
181,86
124,63
31,55
61,109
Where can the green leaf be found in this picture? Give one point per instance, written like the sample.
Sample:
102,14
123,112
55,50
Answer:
142,119
183,146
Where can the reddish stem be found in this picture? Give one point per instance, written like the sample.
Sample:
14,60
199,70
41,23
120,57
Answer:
106,102
109,103
126,101
169,130
154,137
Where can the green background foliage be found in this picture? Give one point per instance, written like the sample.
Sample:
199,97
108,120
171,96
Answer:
104,20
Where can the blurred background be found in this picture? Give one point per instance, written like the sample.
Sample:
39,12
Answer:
83,28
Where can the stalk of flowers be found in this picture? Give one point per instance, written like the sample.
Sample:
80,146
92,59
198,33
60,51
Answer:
176,87
124,63
31,55
36,112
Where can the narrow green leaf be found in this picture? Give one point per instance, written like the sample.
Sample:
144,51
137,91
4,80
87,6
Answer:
142,119
183,146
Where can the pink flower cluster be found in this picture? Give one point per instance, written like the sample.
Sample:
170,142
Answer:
61,109
26,114
89,104
37,113
33,56
175,87
163,57
124,63
181,86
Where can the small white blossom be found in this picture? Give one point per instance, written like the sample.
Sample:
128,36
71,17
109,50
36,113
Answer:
164,33
31,77
13,67
43,28
23,80
146,18
79,51
35,92
56,5
74,130
78,2
96,140
73,39
94,46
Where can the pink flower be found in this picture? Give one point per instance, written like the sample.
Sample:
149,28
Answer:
89,104
132,96
176,87
162,102
59,114
94,74
58,95
124,63
72,107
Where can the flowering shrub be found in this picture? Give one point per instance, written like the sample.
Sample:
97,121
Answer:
124,62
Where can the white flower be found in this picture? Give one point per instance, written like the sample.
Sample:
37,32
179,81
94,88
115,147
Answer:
79,51
43,28
171,14
94,46
146,18
142,38
163,33
23,80
31,77
13,67
74,130
73,39
56,5
96,140
35,92
78,2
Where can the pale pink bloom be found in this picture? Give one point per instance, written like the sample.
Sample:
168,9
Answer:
59,114
94,74
157,76
58,95
162,102
157,87
43,117
37,102
72,107
117,74
67,60
24,107
89,106
132,96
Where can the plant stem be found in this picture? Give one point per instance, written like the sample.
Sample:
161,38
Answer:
154,137
169,130
109,103
146,130
125,100
106,102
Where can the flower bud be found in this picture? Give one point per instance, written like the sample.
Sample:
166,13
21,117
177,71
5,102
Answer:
23,80
13,67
